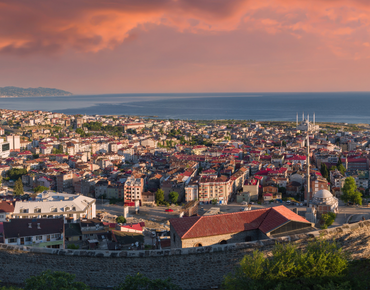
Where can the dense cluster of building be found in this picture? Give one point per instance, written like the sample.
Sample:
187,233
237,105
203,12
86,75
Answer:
83,158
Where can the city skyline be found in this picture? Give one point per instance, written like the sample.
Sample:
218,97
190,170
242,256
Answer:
185,46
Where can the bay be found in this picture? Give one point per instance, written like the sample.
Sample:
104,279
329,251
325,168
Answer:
348,107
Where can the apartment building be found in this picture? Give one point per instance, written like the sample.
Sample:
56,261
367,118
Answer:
44,233
133,188
53,205
316,183
215,189
4,149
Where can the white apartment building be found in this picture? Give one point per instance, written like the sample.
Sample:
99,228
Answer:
49,204
34,232
133,188
14,142
4,149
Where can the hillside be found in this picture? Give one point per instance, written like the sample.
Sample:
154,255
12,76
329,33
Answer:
31,92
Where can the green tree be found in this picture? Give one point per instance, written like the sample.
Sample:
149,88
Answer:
159,196
324,170
342,169
339,161
54,281
174,196
328,219
321,262
40,188
80,131
1,179
121,220
140,282
16,173
350,192
333,168
18,187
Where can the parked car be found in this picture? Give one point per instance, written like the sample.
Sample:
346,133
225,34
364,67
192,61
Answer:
169,210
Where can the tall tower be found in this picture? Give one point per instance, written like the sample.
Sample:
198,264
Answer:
297,120
302,116
308,117
308,169
314,119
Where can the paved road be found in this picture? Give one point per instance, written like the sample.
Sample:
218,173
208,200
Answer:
159,214
149,213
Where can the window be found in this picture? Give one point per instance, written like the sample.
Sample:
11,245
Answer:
12,240
28,239
38,238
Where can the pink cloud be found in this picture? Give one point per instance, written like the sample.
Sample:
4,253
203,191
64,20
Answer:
52,27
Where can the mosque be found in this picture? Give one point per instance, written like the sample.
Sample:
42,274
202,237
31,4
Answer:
306,126
323,200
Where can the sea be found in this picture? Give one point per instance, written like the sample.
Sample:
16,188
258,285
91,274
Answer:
342,107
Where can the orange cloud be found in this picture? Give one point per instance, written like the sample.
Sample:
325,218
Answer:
51,27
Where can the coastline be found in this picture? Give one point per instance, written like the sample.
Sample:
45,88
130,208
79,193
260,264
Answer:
11,97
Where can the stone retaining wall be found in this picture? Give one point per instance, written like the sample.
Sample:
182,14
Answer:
191,268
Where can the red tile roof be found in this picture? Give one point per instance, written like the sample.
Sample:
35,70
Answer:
6,206
277,217
265,220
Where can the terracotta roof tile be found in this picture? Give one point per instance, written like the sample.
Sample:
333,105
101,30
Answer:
265,220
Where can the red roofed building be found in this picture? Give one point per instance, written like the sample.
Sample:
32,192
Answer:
199,231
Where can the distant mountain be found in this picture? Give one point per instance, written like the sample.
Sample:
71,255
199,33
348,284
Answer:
31,92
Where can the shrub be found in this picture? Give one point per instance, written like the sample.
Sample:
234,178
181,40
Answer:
321,263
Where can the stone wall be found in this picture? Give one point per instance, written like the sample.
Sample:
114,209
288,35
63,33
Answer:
229,238
191,268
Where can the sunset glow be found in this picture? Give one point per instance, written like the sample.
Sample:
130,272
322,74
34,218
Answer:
186,45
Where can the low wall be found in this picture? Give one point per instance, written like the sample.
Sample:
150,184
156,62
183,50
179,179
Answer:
191,268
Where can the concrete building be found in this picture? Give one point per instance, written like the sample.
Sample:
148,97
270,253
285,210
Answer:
48,204
316,183
14,142
215,189
133,188
252,187
4,149
45,233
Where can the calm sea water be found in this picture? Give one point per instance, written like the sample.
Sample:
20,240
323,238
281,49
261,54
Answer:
350,107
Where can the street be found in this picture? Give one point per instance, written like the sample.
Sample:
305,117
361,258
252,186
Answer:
158,213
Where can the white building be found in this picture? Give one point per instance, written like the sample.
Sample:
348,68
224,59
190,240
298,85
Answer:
14,142
4,149
306,126
44,233
49,204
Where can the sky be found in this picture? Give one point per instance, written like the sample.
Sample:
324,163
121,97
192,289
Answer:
174,46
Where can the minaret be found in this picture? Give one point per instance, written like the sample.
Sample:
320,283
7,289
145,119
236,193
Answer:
308,169
308,117
314,119
302,116
297,120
